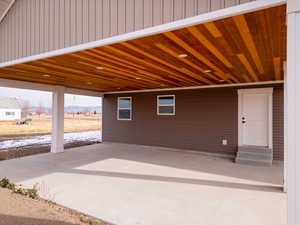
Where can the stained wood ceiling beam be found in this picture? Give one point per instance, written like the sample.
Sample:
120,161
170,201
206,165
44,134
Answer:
152,65
37,78
82,79
206,43
171,36
130,76
211,27
116,59
51,63
277,70
160,60
247,65
119,73
151,76
26,73
17,77
186,61
244,30
246,78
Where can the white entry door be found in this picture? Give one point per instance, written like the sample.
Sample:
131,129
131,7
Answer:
255,117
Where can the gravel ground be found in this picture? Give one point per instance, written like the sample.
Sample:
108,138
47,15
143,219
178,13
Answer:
16,209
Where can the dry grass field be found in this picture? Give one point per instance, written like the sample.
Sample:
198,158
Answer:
42,125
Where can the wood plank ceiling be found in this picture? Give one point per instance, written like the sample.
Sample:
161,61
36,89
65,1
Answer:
240,49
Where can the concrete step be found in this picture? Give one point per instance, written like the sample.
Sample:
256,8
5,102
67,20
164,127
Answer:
254,156
254,162
255,149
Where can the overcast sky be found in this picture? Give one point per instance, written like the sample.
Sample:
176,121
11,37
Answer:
37,97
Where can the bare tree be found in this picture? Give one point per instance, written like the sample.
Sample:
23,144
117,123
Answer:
25,107
40,109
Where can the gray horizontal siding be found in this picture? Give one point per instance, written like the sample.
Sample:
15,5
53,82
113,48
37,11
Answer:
36,26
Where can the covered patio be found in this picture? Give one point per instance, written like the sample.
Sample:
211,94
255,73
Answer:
132,184
240,46
233,47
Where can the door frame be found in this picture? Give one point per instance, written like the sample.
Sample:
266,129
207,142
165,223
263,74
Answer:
269,92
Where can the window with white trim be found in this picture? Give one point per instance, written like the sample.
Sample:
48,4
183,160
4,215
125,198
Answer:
166,105
124,108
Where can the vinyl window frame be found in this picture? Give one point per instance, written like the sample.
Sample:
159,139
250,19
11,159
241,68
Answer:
130,108
158,105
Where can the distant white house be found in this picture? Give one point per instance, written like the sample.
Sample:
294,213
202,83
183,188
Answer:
10,109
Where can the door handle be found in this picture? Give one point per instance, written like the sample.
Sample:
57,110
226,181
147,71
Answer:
243,120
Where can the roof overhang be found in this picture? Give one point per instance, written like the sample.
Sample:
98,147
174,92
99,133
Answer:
237,45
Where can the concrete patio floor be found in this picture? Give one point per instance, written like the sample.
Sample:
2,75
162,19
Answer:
139,185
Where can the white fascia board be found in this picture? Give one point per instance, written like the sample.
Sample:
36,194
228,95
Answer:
45,87
83,92
26,85
206,17
198,87
51,88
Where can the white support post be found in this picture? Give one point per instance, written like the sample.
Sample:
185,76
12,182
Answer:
293,111
285,131
57,142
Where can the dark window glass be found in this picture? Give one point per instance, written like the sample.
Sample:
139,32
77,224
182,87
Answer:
166,109
124,113
166,100
124,103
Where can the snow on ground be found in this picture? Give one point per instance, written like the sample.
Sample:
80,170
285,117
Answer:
46,139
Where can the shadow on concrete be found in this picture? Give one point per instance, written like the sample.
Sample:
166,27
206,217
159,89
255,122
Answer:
196,162
266,188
